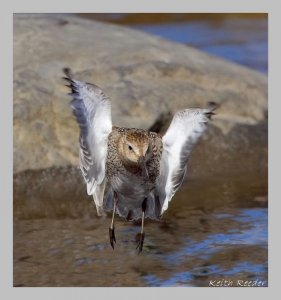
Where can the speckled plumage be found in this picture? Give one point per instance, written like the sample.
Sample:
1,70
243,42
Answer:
120,175
114,164
142,170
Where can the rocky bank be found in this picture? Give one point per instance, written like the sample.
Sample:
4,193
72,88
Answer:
148,80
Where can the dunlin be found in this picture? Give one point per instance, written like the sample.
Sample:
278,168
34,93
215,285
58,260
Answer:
143,170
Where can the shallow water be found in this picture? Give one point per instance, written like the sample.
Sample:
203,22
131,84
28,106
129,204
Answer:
247,239
214,230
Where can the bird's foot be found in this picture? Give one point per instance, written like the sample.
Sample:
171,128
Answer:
139,241
112,238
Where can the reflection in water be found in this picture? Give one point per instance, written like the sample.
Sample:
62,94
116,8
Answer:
205,235
215,228
254,234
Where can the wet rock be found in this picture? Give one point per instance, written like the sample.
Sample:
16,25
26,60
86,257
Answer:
148,80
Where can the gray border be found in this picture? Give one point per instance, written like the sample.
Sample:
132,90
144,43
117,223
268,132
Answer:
6,280
6,157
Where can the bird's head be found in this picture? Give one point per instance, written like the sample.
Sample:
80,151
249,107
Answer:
136,149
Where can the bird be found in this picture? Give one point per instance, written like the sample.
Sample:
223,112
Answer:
129,171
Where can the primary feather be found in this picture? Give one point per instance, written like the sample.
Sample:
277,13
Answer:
92,110
105,158
184,131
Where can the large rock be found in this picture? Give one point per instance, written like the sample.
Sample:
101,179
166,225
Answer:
147,78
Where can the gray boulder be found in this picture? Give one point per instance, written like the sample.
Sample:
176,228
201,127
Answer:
148,80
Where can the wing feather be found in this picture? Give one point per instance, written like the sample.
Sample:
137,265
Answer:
92,110
183,133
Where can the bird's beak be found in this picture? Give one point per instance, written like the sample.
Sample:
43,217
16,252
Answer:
143,165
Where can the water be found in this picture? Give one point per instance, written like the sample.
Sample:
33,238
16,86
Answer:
249,237
243,41
206,236
215,231
77,252
241,38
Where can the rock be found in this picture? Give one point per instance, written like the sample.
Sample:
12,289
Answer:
148,80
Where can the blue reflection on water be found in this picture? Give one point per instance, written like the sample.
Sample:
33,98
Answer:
182,278
255,233
256,269
241,41
186,278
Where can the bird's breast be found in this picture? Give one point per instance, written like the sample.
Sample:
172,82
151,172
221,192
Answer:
131,185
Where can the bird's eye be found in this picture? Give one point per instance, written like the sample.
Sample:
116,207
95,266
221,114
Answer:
130,148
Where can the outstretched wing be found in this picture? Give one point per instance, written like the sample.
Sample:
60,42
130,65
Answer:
185,129
92,110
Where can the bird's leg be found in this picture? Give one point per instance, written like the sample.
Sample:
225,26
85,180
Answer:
111,228
140,236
